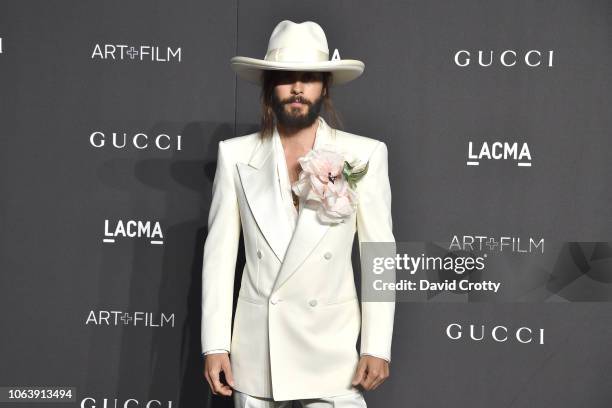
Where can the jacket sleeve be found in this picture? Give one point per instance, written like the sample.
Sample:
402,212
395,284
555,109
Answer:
219,260
374,224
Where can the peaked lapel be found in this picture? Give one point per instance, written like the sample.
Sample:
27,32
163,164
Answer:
309,230
260,184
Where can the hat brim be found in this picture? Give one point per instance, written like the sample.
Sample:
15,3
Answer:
343,71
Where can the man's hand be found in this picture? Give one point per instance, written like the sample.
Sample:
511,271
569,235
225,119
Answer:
371,372
214,364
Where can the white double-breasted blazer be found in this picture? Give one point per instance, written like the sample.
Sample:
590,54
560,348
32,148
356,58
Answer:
298,316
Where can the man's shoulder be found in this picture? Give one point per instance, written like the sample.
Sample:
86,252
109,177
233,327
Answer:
239,148
360,144
238,142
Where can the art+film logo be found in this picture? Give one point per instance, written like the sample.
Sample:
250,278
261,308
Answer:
496,244
134,319
140,53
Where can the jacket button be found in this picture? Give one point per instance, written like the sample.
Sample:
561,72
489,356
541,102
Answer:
274,300
313,302
259,254
328,255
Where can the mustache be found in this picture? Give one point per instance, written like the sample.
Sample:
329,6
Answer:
297,99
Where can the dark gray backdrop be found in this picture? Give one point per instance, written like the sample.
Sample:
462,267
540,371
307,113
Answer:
57,189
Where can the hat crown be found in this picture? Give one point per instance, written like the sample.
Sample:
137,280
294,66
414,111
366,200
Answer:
297,42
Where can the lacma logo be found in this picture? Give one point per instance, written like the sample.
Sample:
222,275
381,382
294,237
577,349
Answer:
120,318
136,53
499,151
133,229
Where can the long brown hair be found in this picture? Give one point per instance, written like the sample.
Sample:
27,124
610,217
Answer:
269,80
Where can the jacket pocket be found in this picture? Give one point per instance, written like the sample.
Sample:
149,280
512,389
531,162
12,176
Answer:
249,300
341,301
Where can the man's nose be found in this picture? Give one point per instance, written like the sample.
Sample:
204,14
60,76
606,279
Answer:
297,86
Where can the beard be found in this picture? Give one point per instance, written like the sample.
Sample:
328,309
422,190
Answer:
294,118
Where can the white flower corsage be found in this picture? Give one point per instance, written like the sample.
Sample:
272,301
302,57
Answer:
329,178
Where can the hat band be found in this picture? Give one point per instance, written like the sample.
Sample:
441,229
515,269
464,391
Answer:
296,55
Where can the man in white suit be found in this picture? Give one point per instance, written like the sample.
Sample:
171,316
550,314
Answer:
298,316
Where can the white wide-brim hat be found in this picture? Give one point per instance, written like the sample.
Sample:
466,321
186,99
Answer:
297,47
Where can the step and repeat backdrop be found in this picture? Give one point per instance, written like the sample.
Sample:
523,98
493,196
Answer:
498,119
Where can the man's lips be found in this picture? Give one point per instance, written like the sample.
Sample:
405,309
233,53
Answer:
296,102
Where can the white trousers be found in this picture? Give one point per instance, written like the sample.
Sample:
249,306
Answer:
351,400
